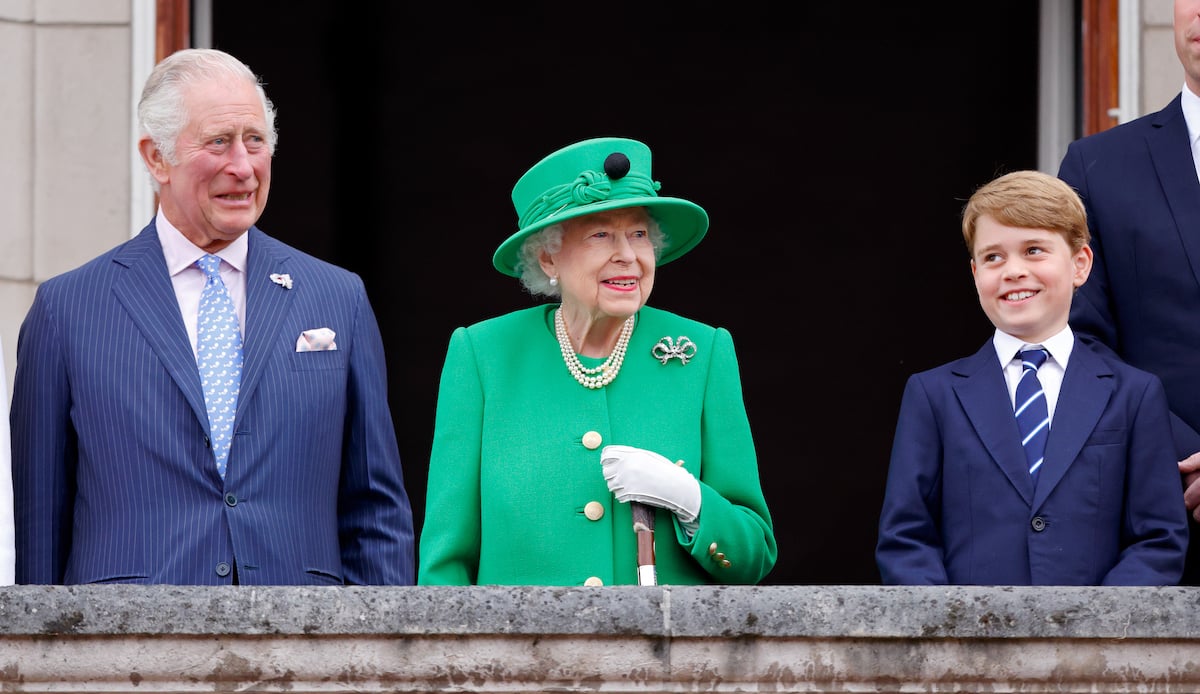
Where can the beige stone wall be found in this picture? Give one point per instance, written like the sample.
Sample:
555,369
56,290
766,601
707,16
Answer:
619,639
65,100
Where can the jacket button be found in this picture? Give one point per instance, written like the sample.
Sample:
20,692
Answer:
593,581
1038,524
712,549
230,500
222,569
592,440
594,510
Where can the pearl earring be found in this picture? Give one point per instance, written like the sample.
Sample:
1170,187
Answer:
553,281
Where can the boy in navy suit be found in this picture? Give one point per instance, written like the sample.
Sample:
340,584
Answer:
1089,494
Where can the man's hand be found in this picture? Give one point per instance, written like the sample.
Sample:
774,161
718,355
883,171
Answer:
1189,467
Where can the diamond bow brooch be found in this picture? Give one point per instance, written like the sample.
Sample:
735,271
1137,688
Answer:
667,349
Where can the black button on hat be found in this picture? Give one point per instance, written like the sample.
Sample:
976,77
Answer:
616,165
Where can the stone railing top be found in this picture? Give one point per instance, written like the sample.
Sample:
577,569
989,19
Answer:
668,611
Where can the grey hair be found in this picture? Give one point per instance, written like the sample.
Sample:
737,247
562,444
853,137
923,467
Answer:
537,282
161,112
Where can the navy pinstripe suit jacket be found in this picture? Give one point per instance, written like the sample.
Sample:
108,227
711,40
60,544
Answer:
113,478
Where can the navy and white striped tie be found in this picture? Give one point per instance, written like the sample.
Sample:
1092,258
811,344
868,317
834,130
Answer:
1033,417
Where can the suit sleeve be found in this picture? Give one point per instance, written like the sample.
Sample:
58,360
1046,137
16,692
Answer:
733,511
374,514
1154,529
450,538
1091,312
910,550
43,449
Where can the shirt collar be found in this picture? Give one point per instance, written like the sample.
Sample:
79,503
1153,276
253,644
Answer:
1191,113
181,254
1059,346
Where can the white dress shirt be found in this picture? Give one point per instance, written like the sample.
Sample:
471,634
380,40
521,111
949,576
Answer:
1191,115
188,279
1050,374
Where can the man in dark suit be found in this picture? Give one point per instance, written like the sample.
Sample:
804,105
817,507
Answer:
122,471
1140,185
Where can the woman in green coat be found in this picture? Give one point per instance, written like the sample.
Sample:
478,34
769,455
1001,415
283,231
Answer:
553,421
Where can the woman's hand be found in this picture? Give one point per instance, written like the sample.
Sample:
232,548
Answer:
635,474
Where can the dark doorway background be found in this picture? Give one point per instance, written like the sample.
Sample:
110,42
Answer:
832,144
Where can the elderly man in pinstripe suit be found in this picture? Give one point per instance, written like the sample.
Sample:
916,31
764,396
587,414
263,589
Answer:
117,472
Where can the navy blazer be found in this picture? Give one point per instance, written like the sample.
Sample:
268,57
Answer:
113,477
961,508
1139,186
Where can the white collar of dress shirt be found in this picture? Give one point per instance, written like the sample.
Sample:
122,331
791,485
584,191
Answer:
181,253
1191,113
1059,345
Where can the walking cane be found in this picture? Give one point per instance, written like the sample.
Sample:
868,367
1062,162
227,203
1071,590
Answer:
643,525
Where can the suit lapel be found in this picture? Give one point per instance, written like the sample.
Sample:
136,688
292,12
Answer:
1171,153
1086,389
266,305
982,391
146,292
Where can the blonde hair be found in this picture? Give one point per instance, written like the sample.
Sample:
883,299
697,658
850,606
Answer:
1028,200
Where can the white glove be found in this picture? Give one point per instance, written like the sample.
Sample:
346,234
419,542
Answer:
635,474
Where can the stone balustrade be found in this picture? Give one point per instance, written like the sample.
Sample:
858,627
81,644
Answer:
120,638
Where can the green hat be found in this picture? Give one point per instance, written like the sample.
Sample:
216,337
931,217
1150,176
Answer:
605,173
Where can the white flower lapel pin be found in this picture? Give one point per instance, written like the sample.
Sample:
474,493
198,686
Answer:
668,349
284,281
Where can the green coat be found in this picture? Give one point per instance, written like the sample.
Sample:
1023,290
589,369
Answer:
513,469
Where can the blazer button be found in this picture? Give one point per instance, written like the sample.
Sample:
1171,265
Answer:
593,581
592,440
1038,524
230,500
712,549
222,569
594,510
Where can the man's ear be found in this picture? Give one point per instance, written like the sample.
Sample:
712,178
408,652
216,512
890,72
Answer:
156,164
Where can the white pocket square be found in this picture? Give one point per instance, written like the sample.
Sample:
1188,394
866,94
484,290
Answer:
316,340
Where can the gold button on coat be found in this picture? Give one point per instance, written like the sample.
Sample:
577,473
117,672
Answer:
592,440
593,581
594,510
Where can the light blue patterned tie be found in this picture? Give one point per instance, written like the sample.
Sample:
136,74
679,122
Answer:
1033,417
219,357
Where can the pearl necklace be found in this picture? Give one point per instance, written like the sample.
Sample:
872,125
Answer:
596,377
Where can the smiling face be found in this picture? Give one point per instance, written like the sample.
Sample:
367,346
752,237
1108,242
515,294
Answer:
1026,278
218,186
606,266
